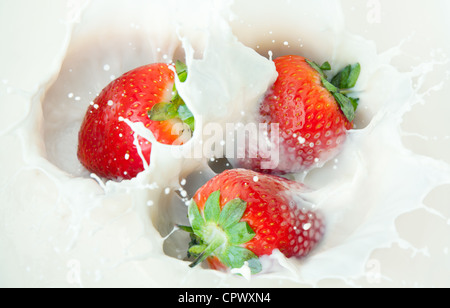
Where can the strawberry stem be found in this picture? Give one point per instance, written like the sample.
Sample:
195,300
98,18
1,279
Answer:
215,244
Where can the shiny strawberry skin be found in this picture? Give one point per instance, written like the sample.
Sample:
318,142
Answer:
106,143
312,125
275,212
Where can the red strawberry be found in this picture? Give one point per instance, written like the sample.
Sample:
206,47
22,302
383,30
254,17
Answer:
241,215
107,143
313,114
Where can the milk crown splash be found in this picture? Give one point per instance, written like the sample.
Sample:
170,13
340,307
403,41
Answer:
126,229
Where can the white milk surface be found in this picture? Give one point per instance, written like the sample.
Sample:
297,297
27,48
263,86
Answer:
386,197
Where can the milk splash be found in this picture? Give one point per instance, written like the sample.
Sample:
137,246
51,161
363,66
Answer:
122,234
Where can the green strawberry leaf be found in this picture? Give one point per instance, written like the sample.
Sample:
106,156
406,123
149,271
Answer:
208,251
191,123
196,219
326,66
240,233
186,116
255,265
347,78
232,213
195,242
186,228
355,102
176,108
212,207
163,112
329,86
221,233
344,80
236,256
181,70
346,104
197,250
316,66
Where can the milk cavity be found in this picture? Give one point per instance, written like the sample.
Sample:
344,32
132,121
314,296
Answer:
71,228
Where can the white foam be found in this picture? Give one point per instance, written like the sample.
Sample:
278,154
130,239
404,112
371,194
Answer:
64,224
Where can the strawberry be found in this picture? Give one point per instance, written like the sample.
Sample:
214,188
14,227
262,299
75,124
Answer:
108,146
241,215
313,114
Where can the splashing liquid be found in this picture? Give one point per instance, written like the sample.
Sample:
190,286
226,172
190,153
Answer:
62,226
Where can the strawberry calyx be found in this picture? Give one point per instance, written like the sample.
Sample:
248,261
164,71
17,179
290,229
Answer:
176,108
221,233
339,86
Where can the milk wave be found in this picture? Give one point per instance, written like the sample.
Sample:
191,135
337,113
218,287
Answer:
72,228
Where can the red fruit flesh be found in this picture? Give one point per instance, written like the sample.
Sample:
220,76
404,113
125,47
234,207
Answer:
215,264
275,212
107,144
312,125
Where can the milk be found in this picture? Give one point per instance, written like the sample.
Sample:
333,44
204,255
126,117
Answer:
62,226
